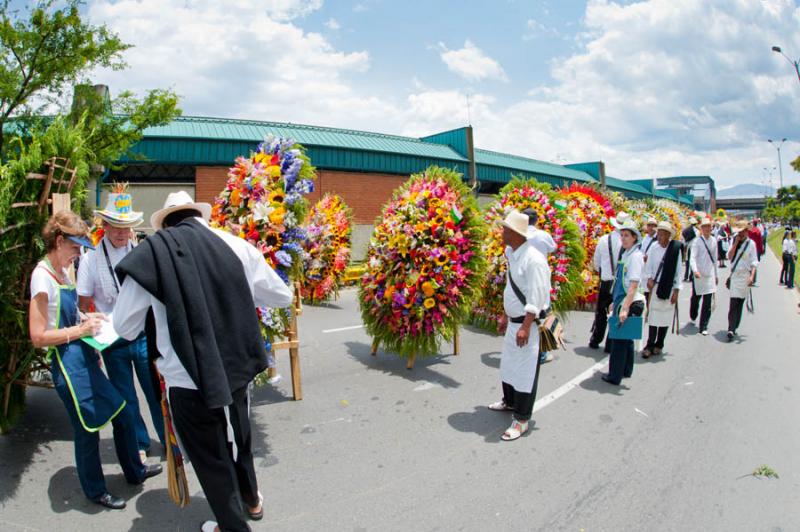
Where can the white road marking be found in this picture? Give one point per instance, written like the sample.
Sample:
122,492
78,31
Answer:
343,328
640,412
564,388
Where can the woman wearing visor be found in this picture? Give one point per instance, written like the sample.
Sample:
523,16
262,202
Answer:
90,399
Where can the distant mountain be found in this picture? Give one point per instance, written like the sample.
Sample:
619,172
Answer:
745,189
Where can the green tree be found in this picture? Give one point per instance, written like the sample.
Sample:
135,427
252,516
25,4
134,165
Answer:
43,51
796,164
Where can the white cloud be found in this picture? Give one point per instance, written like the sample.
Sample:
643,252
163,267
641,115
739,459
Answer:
537,29
471,63
333,24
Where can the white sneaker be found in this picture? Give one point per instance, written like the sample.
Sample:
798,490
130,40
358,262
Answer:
275,380
209,526
143,456
704,333
547,358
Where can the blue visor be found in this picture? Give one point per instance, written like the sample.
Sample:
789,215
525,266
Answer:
81,241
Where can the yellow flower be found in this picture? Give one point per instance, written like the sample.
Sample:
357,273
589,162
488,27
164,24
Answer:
276,216
274,171
441,260
276,196
427,289
261,157
429,302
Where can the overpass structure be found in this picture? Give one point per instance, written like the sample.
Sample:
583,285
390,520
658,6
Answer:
743,204
700,186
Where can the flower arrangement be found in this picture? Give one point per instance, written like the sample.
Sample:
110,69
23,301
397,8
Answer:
263,203
592,211
566,262
424,264
327,248
672,213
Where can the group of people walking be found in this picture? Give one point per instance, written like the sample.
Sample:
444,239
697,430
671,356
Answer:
177,300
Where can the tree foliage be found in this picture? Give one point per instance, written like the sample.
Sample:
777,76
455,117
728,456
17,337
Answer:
43,51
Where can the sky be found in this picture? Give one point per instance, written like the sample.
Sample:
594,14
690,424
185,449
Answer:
652,88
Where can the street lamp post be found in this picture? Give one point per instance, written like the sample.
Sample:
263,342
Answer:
795,64
778,147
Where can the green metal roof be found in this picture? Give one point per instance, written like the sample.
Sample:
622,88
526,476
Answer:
515,164
250,131
627,187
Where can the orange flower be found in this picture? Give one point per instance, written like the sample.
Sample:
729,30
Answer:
427,289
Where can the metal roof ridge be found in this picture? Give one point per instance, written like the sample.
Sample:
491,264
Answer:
524,158
244,121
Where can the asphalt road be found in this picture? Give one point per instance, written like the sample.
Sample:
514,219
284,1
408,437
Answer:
374,446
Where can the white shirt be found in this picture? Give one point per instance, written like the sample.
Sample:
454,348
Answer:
43,282
602,261
789,246
90,279
133,302
647,244
748,260
541,240
654,258
531,273
700,260
634,268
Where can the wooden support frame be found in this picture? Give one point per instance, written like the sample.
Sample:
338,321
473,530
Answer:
413,358
292,343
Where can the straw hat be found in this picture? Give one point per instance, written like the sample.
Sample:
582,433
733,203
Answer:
517,222
630,225
620,219
651,221
741,225
705,221
666,226
119,211
181,200
692,220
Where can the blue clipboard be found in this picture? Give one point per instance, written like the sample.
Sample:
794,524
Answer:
631,328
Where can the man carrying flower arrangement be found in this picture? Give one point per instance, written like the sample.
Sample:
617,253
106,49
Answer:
526,294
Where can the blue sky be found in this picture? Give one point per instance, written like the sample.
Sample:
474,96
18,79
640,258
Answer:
652,87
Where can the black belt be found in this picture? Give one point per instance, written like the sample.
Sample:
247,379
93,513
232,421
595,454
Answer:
518,319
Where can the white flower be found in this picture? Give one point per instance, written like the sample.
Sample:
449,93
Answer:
261,212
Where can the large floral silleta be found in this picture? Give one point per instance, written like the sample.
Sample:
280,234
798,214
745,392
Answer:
263,203
592,211
327,247
424,264
566,262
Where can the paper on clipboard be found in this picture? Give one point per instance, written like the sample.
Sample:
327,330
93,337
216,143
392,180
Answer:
105,337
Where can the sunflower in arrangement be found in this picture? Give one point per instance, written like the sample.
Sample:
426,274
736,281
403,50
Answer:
327,247
592,211
424,264
566,262
263,203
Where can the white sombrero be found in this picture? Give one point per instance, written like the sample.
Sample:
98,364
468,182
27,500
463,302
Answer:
178,201
119,211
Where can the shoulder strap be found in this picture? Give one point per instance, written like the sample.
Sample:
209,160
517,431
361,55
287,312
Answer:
710,256
108,264
516,289
610,253
739,255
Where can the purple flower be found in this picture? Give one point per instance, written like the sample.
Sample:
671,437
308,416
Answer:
284,258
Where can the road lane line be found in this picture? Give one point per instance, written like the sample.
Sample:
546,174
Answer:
565,388
343,328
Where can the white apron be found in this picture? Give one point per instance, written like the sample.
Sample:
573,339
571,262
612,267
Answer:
660,311
739,280
704,285
518,364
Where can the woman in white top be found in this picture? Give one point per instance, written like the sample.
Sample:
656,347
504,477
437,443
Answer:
628,300
744,260
90,399
789,259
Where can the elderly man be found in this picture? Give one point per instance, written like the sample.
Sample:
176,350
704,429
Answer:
544,243
526,294
649,236
606,256
703,263
203,286
98,285
662,273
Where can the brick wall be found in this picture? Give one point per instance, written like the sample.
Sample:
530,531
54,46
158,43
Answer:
365,193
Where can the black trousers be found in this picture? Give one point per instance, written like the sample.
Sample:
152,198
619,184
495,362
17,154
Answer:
600,323
620,364
203,434
788,265
688,275
784,267
705,310
735,313
656,336
521,402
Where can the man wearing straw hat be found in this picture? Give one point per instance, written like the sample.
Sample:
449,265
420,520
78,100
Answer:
606,256
663,277
98,285
526,294
649,236
703,263
203,286
744,261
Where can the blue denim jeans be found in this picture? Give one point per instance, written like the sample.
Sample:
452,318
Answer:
121,361
87,444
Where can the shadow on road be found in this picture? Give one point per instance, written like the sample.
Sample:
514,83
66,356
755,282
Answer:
585,351
158,512
65,494
391,364
45,420
491,359
485,422
722,337
596,384
269,394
